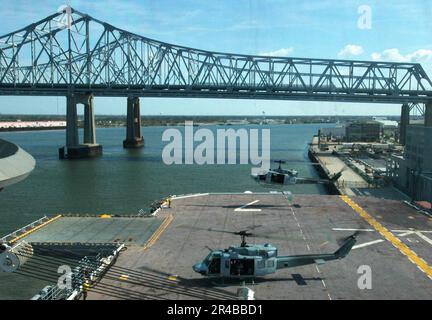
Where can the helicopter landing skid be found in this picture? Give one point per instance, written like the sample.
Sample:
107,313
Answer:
227,282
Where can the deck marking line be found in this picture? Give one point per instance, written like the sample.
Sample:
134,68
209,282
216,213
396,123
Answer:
353,229
403,248
422,236
189,196
362,245
25,234
308,247
242,208
405,234
413,230
159,231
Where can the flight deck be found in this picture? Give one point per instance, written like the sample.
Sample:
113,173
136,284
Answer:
156,261
396,245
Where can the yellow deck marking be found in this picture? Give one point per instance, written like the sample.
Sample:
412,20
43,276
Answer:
25,234
173,278
159,231
403,248
124,277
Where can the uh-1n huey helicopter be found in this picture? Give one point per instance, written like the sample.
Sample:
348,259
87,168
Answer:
290,177
257,260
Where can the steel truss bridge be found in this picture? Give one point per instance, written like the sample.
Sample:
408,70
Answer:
72,52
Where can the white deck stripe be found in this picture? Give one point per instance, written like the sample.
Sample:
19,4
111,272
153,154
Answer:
362,245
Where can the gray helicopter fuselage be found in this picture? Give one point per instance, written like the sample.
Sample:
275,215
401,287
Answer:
240,262
248,261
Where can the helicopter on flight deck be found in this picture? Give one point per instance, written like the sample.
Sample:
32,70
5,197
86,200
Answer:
257,260
290,177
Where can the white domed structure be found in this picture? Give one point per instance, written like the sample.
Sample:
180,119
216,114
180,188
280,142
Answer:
15,164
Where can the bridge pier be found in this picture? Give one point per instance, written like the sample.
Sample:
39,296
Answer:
75,150
428,115
134,139
404,123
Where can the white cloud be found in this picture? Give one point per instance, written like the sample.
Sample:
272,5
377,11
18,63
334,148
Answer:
350,50
394,55
284,52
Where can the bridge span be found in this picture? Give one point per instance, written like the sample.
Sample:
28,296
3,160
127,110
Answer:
74,55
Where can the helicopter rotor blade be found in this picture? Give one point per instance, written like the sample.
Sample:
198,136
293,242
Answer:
271,234
253,227
247,232
203,229
220,231
297,161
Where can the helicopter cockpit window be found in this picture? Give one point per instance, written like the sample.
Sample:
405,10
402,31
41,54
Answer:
215,264
208,259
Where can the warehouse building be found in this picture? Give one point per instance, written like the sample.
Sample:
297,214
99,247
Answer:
363,131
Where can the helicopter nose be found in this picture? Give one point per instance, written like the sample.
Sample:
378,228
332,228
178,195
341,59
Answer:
200,268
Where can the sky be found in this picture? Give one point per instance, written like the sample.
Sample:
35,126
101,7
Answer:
398,30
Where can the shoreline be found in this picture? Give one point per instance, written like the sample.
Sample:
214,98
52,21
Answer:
31,129
26,129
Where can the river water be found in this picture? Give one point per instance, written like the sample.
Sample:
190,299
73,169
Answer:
128,181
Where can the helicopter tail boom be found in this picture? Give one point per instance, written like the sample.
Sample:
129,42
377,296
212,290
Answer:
301,260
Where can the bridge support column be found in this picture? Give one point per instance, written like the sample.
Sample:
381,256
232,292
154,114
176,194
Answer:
75,150
71,122
134,139
405,119
428,114
89,122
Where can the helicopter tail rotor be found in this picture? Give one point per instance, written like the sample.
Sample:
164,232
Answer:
347,245
343,251
341,241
